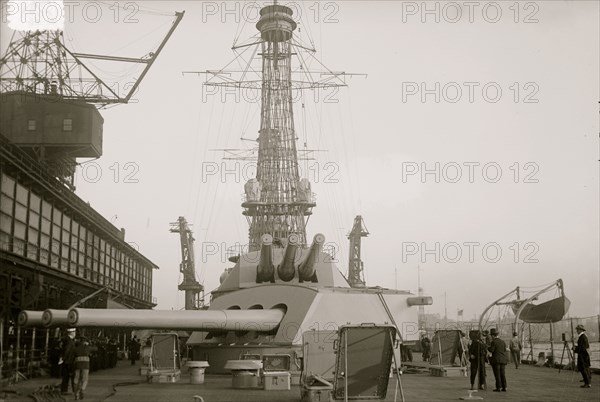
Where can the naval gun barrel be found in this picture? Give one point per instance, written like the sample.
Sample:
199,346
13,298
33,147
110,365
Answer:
307,268
287,270
54,318
265,265
28,318
195,320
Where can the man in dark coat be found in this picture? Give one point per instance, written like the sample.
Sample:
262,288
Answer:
499,360
426,346
67,360
134,349
477,357
82,366
583,356
54,350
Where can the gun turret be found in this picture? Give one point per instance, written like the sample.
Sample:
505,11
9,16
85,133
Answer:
265,270
286,269
306,270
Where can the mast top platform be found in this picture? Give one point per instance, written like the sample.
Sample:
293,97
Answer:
276,23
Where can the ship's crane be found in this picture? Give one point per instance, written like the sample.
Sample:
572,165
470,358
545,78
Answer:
355,265
194,291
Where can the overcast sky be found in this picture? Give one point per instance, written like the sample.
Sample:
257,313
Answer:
498,102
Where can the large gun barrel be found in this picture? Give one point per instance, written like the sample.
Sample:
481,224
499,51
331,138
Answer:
307,268
29,318
54,318
286,270
195,320
265,265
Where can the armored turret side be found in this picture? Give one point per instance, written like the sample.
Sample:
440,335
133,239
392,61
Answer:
244,273
306,308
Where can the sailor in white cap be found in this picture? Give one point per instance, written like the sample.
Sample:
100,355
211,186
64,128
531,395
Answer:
67,359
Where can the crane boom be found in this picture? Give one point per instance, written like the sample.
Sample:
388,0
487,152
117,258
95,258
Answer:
193,290
355,265
39,62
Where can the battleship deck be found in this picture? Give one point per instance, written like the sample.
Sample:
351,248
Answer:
528,383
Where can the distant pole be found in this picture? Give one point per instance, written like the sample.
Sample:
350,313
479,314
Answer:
17,351
33,344
46,344
573,343
1,341
531,343
396,278
445,308
421,311
552,343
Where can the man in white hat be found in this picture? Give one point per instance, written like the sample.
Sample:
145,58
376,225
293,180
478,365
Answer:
67,359
583,356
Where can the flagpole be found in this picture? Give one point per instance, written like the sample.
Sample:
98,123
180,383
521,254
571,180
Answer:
421,312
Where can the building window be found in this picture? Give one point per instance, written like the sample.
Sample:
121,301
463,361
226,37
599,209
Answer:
30,125
67,124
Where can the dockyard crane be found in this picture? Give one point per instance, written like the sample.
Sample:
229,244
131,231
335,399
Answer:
50,97
194,291
355,265
39,62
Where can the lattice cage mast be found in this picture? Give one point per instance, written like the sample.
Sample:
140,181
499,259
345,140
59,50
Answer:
278,201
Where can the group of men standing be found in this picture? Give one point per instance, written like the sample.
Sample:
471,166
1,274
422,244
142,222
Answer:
75,364
74,361
483,343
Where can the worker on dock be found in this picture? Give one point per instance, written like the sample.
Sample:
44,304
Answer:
426,347
515,347
477,358
67,359
583,356
82,366
499,360
134,349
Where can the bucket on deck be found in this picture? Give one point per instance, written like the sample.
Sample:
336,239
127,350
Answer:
244,379
197,371
245,373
